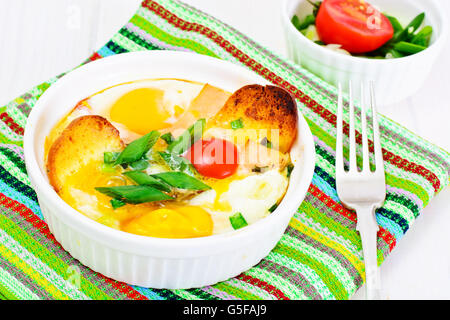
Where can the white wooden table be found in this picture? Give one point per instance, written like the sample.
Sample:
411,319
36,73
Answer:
39,39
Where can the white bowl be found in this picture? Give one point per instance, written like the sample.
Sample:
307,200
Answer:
395,79
146,261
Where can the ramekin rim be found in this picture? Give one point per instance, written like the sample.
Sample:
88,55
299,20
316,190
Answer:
439,42
99,231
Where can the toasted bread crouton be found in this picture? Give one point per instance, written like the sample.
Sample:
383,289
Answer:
256,155
81,109
83,140
262,108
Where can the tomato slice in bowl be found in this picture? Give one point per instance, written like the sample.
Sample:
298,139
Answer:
214,158
354,24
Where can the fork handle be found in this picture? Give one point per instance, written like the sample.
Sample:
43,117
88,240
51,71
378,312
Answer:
368,228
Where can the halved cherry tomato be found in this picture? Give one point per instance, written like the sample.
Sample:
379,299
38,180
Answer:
214,158
354,24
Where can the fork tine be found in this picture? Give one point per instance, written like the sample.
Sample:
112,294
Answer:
339,134
352,141
365,143
376,132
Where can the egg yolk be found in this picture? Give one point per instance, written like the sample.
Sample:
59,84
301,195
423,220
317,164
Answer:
79,192
141,110
175,222
172,221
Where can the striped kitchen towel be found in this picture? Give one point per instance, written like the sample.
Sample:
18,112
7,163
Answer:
319,256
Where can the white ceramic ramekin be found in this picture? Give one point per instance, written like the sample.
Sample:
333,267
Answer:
146,261
394,79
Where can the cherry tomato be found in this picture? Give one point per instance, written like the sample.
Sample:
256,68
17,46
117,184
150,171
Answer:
214,158
354,24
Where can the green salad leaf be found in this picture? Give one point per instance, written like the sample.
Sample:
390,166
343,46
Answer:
395,23
408,48
395,53
410,29
405,41
300,25
316,7
423,37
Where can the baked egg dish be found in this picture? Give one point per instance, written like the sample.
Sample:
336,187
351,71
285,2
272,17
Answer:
172,158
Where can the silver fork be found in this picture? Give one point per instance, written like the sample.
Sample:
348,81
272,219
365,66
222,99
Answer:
365,190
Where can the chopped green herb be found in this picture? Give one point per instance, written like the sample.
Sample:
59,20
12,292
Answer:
237,124
110,157
178,163
296,22
423,37
168,137
265,142
138,148
301,25
134,194
320,43
188,138
311,33
107,168
406,47
395,53
316,6
238,221
144,179
290,167
406,33
395,23
117,203
139,165
153,156
273,208
181,180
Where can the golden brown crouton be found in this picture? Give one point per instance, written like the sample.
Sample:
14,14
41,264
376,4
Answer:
263,107
81,109
83,140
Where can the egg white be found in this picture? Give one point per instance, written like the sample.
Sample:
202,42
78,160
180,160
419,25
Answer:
252,196
176,93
